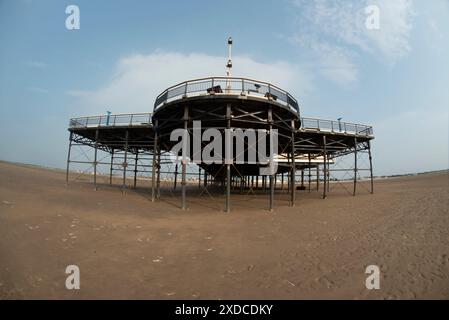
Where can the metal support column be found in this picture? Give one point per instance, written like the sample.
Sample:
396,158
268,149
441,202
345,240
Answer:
125,161
355,165
370,167
325,167
153,168
184,159
68,158
176,177
95,159
112,163
302,178
328,173
310,172
272,175
135,169
282,181
293,168
158,175
228,165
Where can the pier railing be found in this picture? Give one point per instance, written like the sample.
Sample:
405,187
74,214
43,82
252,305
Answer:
113,120
225,85
144,119
336,126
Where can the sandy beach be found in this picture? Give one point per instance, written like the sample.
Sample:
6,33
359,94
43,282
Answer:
130,248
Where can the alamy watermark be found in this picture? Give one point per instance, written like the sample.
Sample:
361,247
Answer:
234,139
372,21
72,22
373,280
72,282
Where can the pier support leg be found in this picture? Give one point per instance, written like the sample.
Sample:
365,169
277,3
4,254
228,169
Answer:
325,167
183,184
282,181
302,179
355,166
184,159
95,159
176,177
68,158
328,173
272,175
135,168
228,164
228,188
125,161
371,167
153,168
310,172
111,168
158,175
293,166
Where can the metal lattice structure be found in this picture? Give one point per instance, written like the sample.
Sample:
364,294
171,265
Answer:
308,149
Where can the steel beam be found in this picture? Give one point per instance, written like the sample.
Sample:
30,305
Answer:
302,178
282,181
310,171
228,165
184,164
95,159
293,168
176,177
68,158
135,169
158,175
328,174
153,169
270,127
112,163
371,167
125,161
325,167
355,166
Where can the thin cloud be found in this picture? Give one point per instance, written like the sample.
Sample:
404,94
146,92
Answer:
138,79
78,93
37,89
36,64
335,32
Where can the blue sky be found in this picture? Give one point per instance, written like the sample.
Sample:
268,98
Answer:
126,52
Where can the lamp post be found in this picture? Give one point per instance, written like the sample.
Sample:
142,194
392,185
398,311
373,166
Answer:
339,124
108,116
229,66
